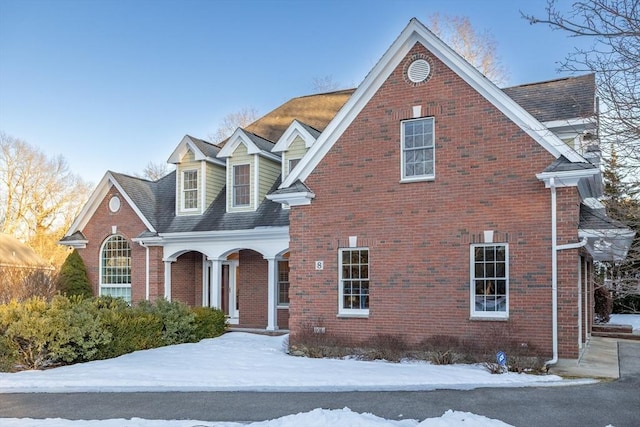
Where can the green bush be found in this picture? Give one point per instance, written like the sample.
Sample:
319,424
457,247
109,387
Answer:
73,279
178,321
37,334
209,322
40,334
77,331
131,330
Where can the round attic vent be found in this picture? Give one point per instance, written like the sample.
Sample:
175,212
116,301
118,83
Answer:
418,71
114,204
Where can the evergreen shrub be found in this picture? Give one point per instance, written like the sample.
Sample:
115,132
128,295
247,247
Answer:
73,279
209,322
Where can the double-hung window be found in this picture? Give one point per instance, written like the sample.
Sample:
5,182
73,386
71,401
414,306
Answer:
354,281
190,189
115,268
490,280
418,157
241,185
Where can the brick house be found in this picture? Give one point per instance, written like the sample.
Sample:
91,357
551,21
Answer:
426,201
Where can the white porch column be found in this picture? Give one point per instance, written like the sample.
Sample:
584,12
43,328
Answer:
206,281
272,309
167,280
215,283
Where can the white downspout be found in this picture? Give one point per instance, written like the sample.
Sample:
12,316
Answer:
554,275
554,270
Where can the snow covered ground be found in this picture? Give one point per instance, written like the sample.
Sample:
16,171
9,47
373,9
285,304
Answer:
241,361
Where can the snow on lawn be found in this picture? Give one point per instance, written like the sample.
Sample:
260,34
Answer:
626,319
315,418
242,361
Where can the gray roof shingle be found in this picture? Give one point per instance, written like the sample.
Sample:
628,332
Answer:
560,99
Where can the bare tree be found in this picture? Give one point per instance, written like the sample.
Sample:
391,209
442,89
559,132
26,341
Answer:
478,48
613,29
39,197
324,84
231,122
154,171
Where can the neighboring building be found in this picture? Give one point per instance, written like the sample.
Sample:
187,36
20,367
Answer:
425,202
23,273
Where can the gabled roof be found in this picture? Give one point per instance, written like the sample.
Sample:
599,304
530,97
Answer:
297,128
416,32
315,111
15,254
573,97
254,143
201,149
138,193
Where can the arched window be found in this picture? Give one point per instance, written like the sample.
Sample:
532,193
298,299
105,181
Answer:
115,268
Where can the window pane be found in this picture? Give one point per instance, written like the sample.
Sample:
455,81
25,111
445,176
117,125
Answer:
354,278
417,152
490,278
241,185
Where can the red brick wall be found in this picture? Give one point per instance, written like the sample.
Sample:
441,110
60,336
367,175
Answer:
129,225
419,233
186,279
253,289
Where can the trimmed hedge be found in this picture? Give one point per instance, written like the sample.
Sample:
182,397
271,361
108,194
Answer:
37,334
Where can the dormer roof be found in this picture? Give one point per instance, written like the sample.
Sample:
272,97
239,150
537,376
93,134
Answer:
254,143
296,129
201,149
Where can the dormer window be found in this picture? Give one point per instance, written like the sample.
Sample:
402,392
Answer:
241,185
293,163
190,189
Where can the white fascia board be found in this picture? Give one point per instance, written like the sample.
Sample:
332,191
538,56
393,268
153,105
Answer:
413,33
566,178
76,244
294,129
578,124
300,198
259,233
148,241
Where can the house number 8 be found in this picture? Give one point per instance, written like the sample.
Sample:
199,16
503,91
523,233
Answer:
319,265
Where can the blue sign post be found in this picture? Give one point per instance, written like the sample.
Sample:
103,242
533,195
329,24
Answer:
501,358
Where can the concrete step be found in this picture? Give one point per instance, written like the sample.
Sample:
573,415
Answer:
618,335
608,327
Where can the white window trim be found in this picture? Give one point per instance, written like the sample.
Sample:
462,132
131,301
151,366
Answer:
429,177
233,186
351,312
101,284
197,190
289,163
500,315
278,303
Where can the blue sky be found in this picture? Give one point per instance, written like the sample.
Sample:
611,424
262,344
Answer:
112,85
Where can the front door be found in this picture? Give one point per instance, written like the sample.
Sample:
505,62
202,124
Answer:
230,302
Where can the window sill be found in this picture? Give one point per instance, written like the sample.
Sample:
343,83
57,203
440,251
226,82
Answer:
489,318
283,307
418,179
352,315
